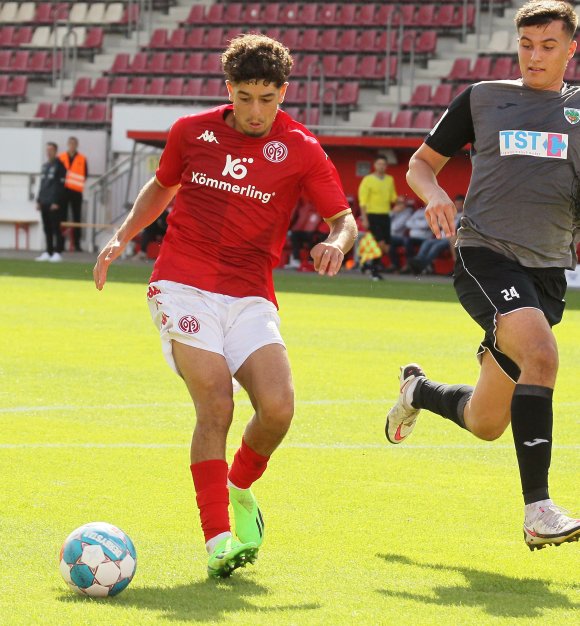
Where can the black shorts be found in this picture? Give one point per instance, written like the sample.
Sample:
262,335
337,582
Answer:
488,283
380,226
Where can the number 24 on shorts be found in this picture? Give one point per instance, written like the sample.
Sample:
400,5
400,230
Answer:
510,294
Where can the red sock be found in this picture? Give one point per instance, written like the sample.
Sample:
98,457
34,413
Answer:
247,467
210,481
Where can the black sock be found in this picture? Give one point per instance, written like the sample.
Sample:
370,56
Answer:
446,400
532,429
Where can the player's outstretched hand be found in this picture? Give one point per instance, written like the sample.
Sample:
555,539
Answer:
327,258
108,254
440,215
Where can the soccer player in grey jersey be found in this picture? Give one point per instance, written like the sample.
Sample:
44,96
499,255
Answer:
522,213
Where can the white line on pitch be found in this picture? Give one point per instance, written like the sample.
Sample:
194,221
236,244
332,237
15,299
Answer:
301,446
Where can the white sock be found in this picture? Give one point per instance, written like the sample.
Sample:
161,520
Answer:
212,543
231,484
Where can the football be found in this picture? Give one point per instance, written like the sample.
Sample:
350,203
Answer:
98,560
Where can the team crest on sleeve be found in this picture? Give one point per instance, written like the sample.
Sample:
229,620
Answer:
572,115
275,151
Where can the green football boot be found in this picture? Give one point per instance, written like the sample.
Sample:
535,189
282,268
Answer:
228,555
247,516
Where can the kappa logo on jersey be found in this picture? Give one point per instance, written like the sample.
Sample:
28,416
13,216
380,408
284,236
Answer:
275,151
189,324
208,136
235,167
533,143
572,115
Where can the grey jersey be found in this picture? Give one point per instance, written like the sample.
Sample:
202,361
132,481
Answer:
523,195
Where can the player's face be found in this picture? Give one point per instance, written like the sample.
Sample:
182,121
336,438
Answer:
255,106
380,166
544,52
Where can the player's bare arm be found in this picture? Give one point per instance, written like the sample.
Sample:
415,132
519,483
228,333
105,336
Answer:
440,210
329,254
150,203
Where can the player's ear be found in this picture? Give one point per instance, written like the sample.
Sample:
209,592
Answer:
572,49
230,90
282,93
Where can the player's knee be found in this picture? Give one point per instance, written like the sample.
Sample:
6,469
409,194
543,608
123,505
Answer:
277,411
490,432
541,360
215,412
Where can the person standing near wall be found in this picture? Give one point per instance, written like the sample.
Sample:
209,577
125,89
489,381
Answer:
77,172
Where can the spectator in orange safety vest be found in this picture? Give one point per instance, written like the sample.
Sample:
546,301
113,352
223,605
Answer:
77,172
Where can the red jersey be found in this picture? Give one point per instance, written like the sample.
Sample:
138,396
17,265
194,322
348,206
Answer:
232,211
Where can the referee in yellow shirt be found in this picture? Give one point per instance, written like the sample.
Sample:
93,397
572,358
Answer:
376,193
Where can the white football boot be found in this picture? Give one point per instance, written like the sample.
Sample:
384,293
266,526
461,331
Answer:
546,524
402,417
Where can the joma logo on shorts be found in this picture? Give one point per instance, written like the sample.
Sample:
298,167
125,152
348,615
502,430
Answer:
533,143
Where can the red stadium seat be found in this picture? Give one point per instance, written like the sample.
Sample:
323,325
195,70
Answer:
330,65
22,36
425,16
194,63
4,81
382,120
310,118
194,39
503,68
43,13
214,39
347,41
82,89
156,63
130,15
39,62
348,66
369,42
176,63
421,96
403,119
196,15
348,94
61,112
328,40
216,88
569,75
6,36
120,64
5,60
459,70
212,65
292,92
405,15
156,86
481,69
328,14
309,14
289,13
138,86
304,62
119,85
309,40
139,64
20,61
442,95
426,42
366,16
252,12
457,22
94,39
193,87
271,13
78,112
233,13
290,38
43,110
347,14
384,12
97,113
100,89
174,86
159,39
424,120
445,16
177,39
215,14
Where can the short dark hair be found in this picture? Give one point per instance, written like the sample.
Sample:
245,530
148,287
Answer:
51,143
252,57
543,12
73,138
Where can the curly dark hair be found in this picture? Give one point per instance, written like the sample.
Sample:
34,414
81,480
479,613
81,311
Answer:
542,12
251,57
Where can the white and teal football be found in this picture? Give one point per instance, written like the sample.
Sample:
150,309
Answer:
98,559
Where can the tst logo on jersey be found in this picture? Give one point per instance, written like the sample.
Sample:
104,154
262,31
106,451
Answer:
208,136
234,167
533,143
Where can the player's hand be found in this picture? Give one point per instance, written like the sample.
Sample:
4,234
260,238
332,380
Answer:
364,220
108,254
327,257
440,215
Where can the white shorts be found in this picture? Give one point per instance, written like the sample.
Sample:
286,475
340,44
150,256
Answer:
232,327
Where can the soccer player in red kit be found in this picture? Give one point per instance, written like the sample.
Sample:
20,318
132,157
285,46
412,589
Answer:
237,172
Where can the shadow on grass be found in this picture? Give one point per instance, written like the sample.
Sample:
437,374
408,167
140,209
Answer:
204,601
423,289
497,595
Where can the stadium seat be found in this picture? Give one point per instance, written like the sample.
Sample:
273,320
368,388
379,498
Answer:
113,13
348,67
425,16
43,110
382,120
100,89
570,74
459,71
119,85
9,12
156,86
424,120
500,42
40,37
156,63
309,13
348,94
328,40
347,41
271,13
367,42
330,65
216,88
176,63
196,15
82,89
61,112
442,95
426,43
174,86
194,63
20,61
233,13
78,13
212,65
97,113
421,96
445,16
305,61
469,12
252,13
120,64
292,92
159,39
22,36
289,13
308,40
130,14
403,119
38,64
328,14
26,12
347,15
78,112
366,16
96,13
93,41
138,65
481,69
290,38
193,87
503,68
138,86
5,60
213,40
177,39
215,14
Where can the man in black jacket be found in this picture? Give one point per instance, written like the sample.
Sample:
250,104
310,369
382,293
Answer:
49,202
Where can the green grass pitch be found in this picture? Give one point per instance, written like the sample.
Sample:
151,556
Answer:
94,426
